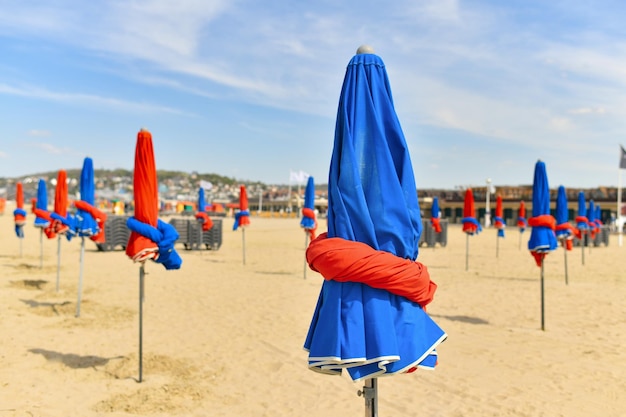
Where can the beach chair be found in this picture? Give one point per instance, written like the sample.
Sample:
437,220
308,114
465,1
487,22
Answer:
116,234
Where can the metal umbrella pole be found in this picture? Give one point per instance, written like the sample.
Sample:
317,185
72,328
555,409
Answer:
306,243
243,239
370,394
40,248
583,239
497,245
80,275
565,256
466,251
58,261
543,327
142,274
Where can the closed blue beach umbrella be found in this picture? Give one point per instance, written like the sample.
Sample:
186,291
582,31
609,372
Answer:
582,224
563,229
542,236
40,222
201,215
309,222
42,203
374,225
434,215
87,225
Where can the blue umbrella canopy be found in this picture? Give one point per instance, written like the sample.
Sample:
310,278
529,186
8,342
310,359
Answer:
308,221
434,210
372,200
581,218
591,212
42,203
542,237
86,224
201,201
434,215
564,230
561,206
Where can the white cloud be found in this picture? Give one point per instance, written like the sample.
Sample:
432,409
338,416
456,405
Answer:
79,98
38,133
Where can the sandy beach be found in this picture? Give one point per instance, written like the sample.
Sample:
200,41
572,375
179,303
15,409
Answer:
224,338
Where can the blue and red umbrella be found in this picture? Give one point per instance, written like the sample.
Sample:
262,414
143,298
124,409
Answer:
582,224
542,236
435,214
309,220
598,219
242,218
201,214
42,217
19,214
374,225
62,221
150,238
564,229
89,220
522,223
471,226
498,220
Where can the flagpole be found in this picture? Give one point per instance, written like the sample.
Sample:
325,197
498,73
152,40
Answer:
289,198
620,224
620,220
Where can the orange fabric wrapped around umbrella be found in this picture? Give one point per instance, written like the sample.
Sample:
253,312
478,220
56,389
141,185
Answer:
145,186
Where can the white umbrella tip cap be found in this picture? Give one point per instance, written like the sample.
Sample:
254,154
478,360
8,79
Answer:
143,129
365,49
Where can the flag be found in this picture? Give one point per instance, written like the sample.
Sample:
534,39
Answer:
622,160
206,185
299,177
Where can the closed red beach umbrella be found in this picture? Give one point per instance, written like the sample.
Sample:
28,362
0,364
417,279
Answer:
470,224
60,194
19,214
145,185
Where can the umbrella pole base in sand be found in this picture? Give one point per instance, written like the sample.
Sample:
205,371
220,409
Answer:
142,274
80,275
466,251
243,243
58,261
40,248
370,394
306,243
543,320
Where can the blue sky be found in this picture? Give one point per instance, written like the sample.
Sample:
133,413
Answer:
249,89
